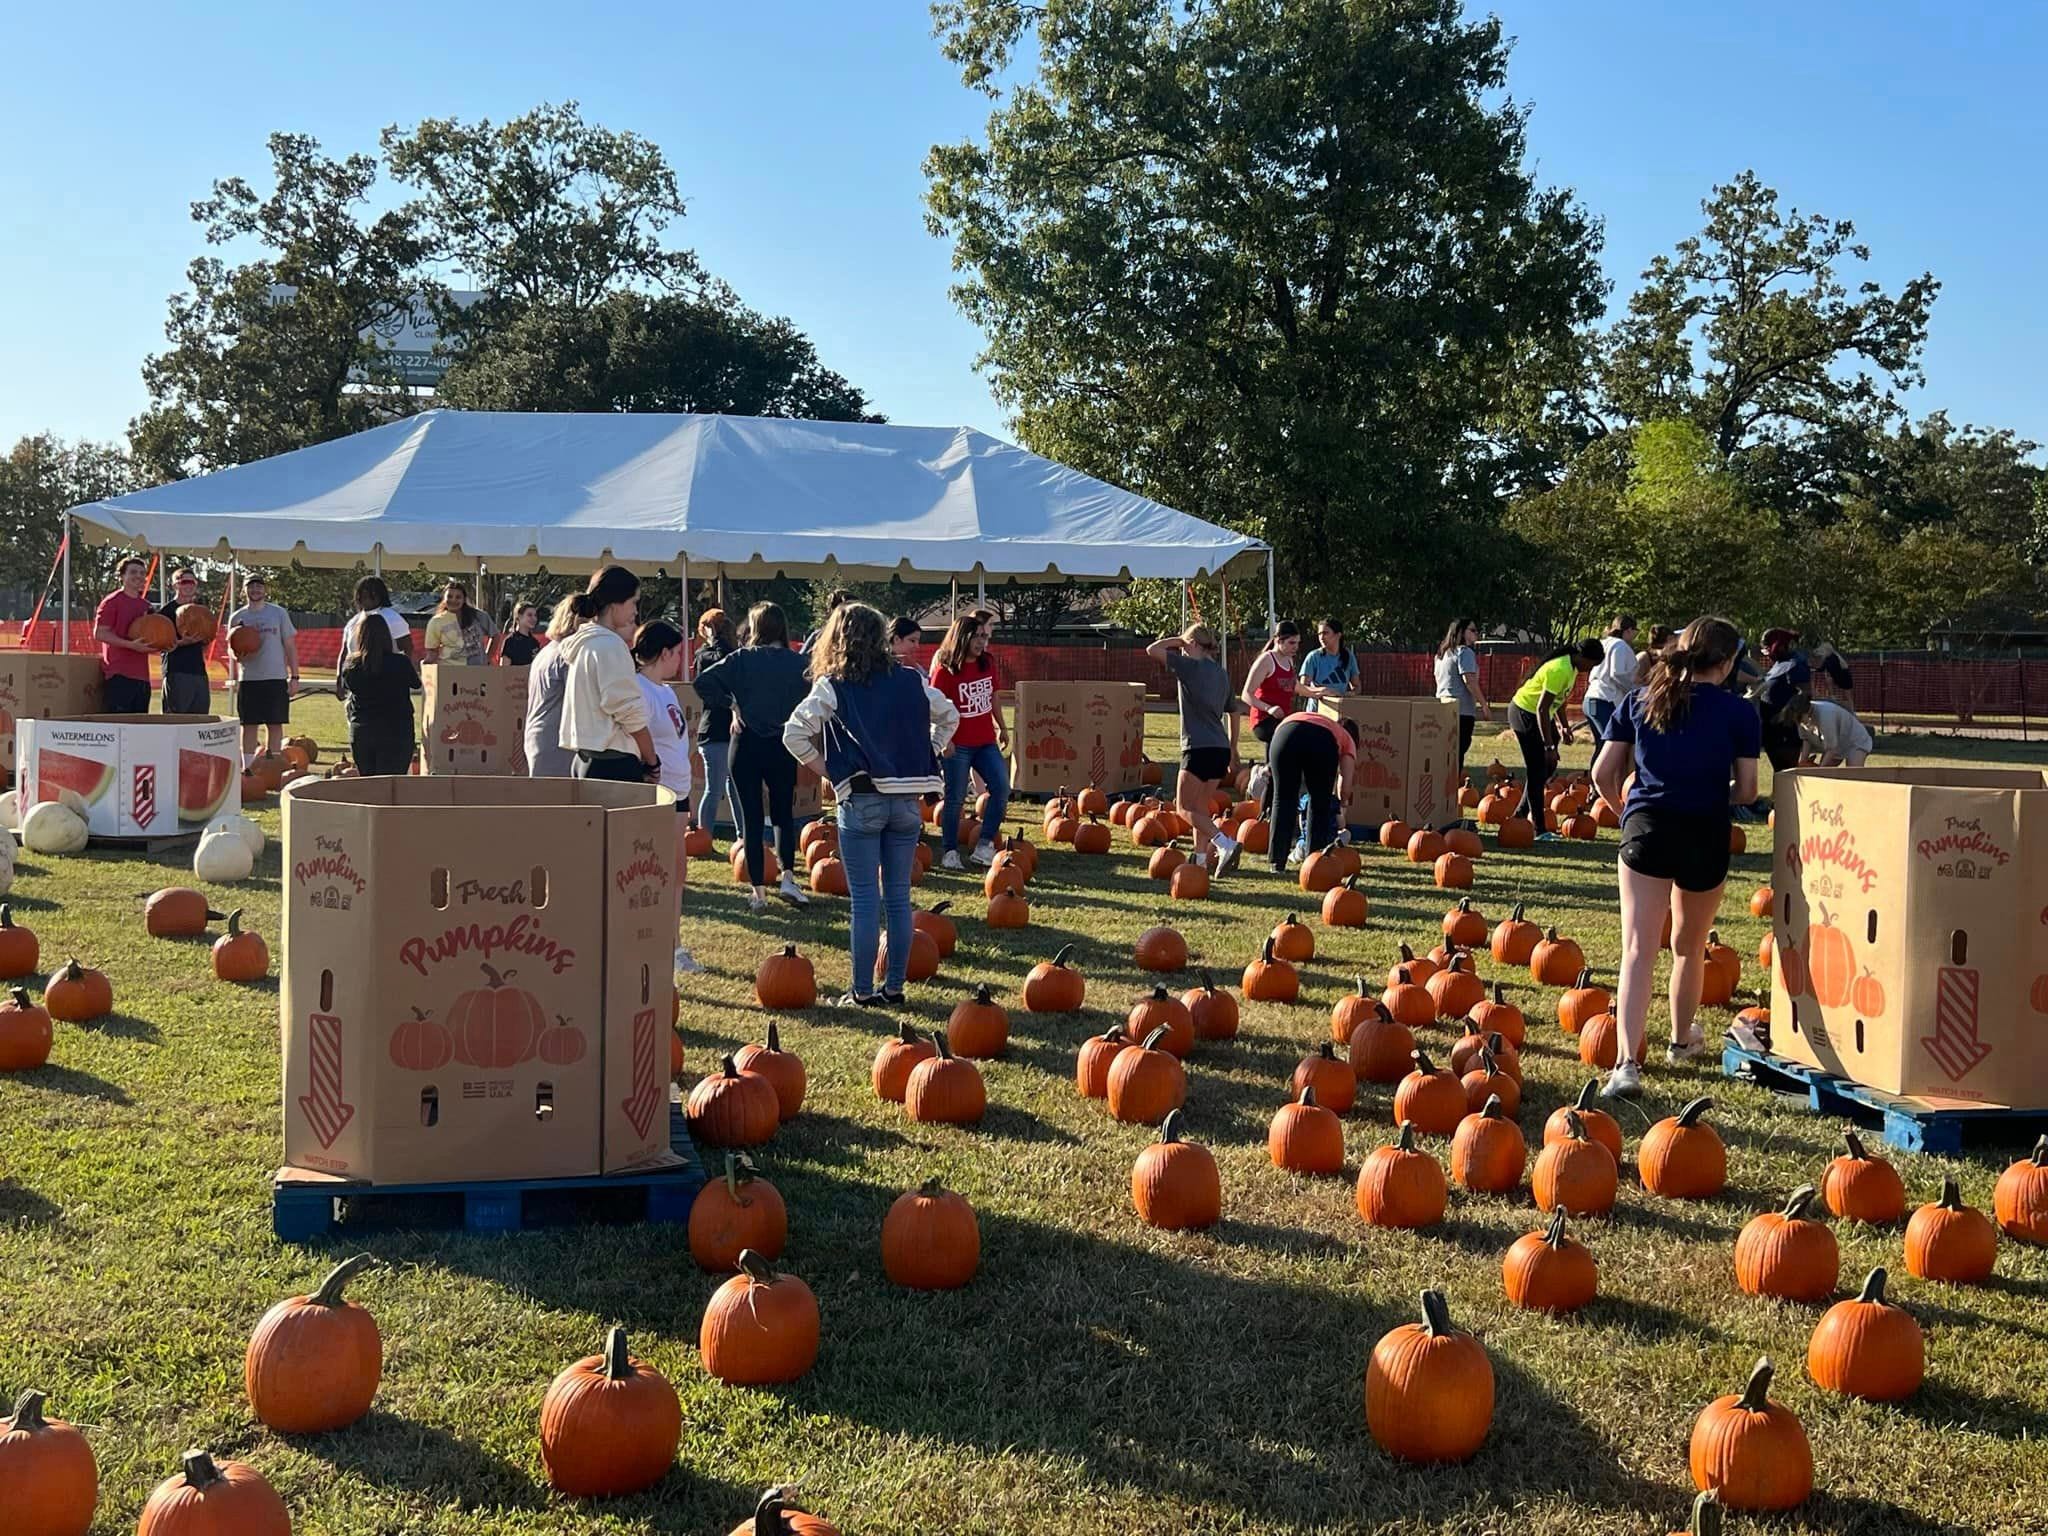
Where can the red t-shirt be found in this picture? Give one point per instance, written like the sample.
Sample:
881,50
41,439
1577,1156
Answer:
973,692
117,610
1346,747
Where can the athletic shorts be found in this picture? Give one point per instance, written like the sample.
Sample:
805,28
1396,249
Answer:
264,701
1690,850
1209,764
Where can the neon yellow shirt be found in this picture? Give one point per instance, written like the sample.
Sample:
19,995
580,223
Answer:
1554,677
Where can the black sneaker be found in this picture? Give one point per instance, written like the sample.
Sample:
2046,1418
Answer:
892,999
849,1000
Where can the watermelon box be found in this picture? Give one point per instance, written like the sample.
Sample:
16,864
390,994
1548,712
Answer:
1910,929
477,977
140,776
1407,768
35,685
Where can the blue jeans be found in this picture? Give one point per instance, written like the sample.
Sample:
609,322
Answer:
986,760
1599,713
717,783
877,834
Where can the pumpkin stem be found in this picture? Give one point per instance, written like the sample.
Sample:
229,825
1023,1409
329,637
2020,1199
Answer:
1209,986
1873,1287
1554,1233
1159,992
1153,1039
1496,1044
1516,915
200,1472
618,1365
789,951
1855,1145
905,1034
1689,1116
1266,954
1358,986
1756,1396
1574,1127
938,906
1308,1095
770,1514
1489,1061
28,1410
729,1067
6,915
21,998
329,1294
932,1186
1169,1128
1706,1515
754,1267
1407,955
1585,979
1500,995
1059,960
1491,1109
939,1040
1951,1193
72,971
1422,1062
2039,1156
1406,1140
774,1039
981,996
1436,1315
1471,1029
1797,1202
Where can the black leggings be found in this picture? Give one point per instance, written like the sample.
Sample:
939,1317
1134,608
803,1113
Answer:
1535,758
1303,755
762,763
381,750
1465,725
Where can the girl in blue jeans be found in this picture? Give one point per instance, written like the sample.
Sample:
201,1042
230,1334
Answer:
876,730
964,674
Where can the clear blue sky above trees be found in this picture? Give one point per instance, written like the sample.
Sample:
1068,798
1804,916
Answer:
797,129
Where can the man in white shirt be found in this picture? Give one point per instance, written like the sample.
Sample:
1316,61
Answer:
1834,735
1615,678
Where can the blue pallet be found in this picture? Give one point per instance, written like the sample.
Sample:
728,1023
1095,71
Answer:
306,1208
1904,1123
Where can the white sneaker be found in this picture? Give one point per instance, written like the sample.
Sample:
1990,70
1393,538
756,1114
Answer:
1624,1082
984,854
1296,858
687,964
951,860
755,900
1226,854
791,892
1690,1050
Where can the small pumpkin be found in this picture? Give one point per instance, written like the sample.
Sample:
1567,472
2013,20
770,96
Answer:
1294,941
1425,846
1270,979
1394,834
1174,1183
1160,948
1419,968
1336,1085
896,1058
1465,925
20,950
1325,868
740,1211
1164,861
1146,1082
1408,999
1092,837
1600,1041
1464,842
783,1069
1350,1011
1682,1157
731,1108
1575,1173
697,843
1597,1124
1554,961
932,920
778,1514
1453,872
1465,1053
759,1327
945,1089
1429,1389
1489,1082
1751,1451
1345,906
930,1239
1488,1153
48,1470
1517,832
240,955
785,981
1254,835
1401,1185
1215,1014
314,1362
1166,1013
1784,1254
1305,1136
1189,883
828,875
1008,909
1549,1271
923,963
209,1498
1429,1098
1723,972
1456,989
177,912
1381,1048
2020,1202
1860,1187
1866,1347
1497,1016
1761,901
978,1028
1948,1240
1053,986
25,1033
771,867
1581,1002
78,994
1091,1065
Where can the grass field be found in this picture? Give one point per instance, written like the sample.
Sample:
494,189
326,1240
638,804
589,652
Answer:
1096,1376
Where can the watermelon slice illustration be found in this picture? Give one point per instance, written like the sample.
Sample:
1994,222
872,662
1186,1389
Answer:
65,770
203,782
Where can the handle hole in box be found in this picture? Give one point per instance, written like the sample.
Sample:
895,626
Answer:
540,885
327,991
430,1107
437,889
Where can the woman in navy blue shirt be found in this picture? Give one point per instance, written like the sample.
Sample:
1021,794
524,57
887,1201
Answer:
1693,748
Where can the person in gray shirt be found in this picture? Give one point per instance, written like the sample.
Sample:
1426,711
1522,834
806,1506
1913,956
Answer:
1208,735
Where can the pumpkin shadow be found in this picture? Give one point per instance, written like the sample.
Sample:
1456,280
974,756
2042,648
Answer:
1668,1216
1645,1320
1943,1403
1006,1123
22,1206
81,1084
124,1026
389,1451
1281,1241
1851,1515
21,901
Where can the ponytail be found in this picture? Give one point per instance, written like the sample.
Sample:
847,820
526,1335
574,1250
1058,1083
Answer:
1674,671
609,586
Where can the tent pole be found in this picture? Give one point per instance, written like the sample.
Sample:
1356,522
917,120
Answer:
1272,612
723,601
64,642
377,560
1223,629
953,608
1183,603
980,587
689,670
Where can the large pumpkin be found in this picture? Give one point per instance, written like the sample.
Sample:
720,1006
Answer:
1465,925
1162,1011
78,994
1581,1002
1380,1046
497,1025
1682,1157
1294,941
1401,1186
25,1033
1145,1082
1860,1187
783,1069
1456,989
930,1239
1784,1254
1306,1137
609,1425
240,955
1407,998
1497,1016
1345,906
1215,1014
1270,979
1429,1389
208,1498
1751,1451
1575,1173
1488,1153
314,1361
735,1213
1174,1183
1866,1347
1549,1271
759,1327
177,912
1554,960
1336,1085
2020,1202
945,1089
1053,986
48,1472
1594,1122
896,1059
1158,948
1951,1241
731,1108
978,1028
1431,1100
20,950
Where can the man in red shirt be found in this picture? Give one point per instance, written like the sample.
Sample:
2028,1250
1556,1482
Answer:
124,663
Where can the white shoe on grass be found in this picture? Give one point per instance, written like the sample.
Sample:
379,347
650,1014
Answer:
1624,1082
1686,1050
984,854
951,860
757,899
791,892
1227,851
687,964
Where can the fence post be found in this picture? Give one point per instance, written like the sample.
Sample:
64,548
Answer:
2020,654
1882,693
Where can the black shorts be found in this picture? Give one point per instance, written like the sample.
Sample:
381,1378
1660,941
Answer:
123,695
1209,764
1690,850
264,701
1263,726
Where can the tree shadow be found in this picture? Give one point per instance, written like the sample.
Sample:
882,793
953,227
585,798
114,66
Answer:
1850,1515
21,1206
83,1085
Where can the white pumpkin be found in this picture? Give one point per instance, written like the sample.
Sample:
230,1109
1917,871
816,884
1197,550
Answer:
222,858
242,827
54,827
72,800
10,810
6,864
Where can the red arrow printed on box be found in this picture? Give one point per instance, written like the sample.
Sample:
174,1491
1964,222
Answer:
322,1104
646,1094
1954,1044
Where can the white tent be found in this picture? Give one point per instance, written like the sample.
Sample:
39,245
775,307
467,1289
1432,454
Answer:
749,496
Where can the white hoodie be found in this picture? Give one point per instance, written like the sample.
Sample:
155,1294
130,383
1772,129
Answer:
602,705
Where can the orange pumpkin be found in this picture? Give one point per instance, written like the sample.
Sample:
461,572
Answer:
759,1328
1830,962
1336,1085
1497,1016
731,1108
314,1362
894,1061
1166,1013
1053,986
1682,1157
1164,861
978,1028
1453,872
1381,1048
1456,989
78,994
1401,1186
933,921
1554,961
1190,882
1575,1174
1294,941
1600,1041
930,1239
784,1070
1345,906
1425,846
25,1033
1464,842
1595,1122
1517,832
1548,1271
1951,1241
1432,1099
240,955
1256,836
1407,1001
1464,925
1160,948
1860,1187
1866,1347
1145,1082
1174,1183
1394,834
1487,1151
1214,1013
945,1089
48,1470
20,950
2020,1201
785,981
1271,979
1784,1254
1325,868
1750,1450
1306,1137
1429,1389
778,1514
1582,1002
923,963
735,1213
1097,1055
177,913
1487,1080
206,1498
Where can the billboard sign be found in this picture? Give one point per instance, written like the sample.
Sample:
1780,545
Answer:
405,333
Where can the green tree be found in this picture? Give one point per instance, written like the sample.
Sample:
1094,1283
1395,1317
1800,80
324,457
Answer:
1277,265
40,479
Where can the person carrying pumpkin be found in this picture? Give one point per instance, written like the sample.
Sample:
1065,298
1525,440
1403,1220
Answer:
1208,746
124,663
1693,747
964,673
1315,754
876,730
1536,716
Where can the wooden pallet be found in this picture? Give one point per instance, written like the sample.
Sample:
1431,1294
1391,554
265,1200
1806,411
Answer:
308,1205
1908,1124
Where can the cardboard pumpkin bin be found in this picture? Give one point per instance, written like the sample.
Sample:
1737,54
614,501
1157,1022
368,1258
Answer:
1407,766
1911,930
478,977
1073,735
475,720
141,776
38,686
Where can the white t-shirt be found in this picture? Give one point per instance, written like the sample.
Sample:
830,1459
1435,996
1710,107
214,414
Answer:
671,735
1833,731
1615,678
393,621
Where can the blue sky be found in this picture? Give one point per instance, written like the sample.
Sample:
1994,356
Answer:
797,128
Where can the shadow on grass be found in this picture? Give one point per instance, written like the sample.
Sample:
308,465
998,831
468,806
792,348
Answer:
1646,1320
125,1026
79,1084
392,1452
24,1207
1853,1516
1943,1402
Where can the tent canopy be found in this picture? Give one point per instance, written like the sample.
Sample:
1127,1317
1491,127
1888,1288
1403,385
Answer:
751,495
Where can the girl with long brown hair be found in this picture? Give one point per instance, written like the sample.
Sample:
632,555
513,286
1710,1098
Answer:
1692,746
